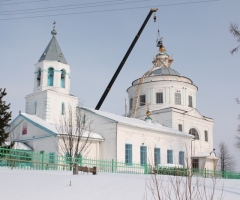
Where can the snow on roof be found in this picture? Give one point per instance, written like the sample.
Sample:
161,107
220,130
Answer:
35,119
137,122
202,154
19,146
22,146
52,128
205,154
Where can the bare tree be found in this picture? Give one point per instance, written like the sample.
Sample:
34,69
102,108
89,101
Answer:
237,137
181,186
226,161
12,143
187,187
74,132
233,28
14,135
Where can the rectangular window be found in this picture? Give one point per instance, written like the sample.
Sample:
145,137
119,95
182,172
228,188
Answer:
159,97
190,101
180,127
195,163
157,156
143,155
181,158
131,104
128,153
142,100
170,156
206,136
178,98
51,158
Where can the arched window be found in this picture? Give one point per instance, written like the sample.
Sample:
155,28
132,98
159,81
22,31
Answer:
62,82
194,132
50,76
35,107
39,77
63,109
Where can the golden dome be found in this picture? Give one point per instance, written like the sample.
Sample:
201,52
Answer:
162,48
148,113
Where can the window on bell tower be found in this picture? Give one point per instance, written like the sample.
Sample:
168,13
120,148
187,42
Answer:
50,76
39,77
62,81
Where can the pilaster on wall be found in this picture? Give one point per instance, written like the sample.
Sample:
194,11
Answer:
170,95
167,95
194,100
148,97
152,101
186,96
183,97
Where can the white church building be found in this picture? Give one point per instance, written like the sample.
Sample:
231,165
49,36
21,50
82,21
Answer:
172,132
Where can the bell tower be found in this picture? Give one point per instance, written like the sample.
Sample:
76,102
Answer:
52,71
51,94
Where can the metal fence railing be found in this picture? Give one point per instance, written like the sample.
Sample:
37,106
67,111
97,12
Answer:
30,160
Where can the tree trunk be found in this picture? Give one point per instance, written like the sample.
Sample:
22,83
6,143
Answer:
75,169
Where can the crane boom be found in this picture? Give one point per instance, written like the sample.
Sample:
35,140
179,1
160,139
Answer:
124,59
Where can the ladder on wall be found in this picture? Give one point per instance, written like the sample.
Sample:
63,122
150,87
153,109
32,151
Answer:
137,92
156,63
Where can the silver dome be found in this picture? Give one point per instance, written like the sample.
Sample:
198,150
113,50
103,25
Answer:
164,71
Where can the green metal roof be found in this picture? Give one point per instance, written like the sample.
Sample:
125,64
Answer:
53,52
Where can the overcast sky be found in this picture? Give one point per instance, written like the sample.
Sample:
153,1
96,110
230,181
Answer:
95,37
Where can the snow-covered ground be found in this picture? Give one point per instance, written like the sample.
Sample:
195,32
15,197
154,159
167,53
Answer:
51,185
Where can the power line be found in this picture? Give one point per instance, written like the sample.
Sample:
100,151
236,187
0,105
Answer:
23,2
76,7
70,5
120,9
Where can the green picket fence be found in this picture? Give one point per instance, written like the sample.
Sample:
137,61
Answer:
22,159
197,172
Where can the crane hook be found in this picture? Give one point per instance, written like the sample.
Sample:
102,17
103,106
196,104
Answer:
154,18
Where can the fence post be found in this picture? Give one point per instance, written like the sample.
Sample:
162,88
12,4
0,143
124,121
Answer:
80,160
42,160
112,165
145,168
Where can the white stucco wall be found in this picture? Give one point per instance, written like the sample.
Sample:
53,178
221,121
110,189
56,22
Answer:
49,104
144,137
107,128
168,85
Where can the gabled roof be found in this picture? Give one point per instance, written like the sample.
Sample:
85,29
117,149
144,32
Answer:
137,122
51,128
53,52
